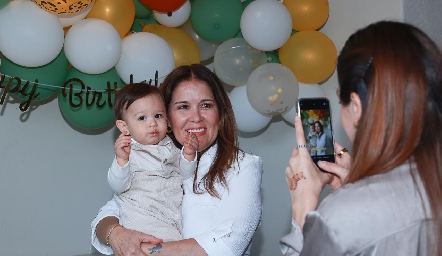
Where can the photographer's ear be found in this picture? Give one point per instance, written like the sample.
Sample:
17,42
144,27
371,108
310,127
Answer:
356,108
122,126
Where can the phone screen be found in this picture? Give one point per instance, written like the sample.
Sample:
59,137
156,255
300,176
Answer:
316,119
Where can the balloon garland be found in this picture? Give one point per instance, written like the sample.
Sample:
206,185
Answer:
268,48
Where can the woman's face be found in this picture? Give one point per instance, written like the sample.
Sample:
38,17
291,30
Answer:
317,128
193,109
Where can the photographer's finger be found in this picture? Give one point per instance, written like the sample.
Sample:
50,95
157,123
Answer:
338,146
334,169
299,133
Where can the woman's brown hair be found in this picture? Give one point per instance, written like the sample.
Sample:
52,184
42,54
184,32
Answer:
227,138
396,70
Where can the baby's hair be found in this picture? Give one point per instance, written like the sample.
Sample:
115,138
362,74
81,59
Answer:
129,94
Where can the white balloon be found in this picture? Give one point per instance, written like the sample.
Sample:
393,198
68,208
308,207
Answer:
305,91
93,46
143,54
29,36
207,49
177,18
71,19
247,118
266,25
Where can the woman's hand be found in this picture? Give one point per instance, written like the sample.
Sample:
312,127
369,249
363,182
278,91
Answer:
338,171
190,146
127,242
304,179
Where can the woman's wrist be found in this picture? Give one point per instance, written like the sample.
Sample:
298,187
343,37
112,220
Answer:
300,208
104,226
110,232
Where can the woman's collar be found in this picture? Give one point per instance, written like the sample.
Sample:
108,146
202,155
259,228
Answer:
211,151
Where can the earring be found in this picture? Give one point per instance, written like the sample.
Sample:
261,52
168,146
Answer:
169,129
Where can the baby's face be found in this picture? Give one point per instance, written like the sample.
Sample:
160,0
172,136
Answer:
146,120
312,128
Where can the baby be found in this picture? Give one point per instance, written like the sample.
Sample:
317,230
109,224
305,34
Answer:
148,170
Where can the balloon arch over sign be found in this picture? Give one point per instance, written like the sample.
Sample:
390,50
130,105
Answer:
83,51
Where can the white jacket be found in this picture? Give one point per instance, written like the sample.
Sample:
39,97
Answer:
220,226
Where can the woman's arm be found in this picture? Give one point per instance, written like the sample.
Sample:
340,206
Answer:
304,179
108,237
176,248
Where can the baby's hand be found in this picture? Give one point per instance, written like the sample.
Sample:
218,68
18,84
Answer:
122,149
190,146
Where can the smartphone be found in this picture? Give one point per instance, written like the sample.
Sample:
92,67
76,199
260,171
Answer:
316,120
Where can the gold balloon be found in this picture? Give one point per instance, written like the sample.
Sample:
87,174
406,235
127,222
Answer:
311,55
307,14
66,29
185,49
119,13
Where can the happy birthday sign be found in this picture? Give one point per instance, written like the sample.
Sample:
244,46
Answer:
74,89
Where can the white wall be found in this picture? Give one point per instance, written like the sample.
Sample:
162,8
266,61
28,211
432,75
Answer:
53,177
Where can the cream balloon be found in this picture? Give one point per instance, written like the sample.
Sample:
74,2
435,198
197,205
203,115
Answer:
143,54
247,118
272,89
93,46
235,60
175,18
29,36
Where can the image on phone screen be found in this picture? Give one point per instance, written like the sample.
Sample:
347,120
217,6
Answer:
317,124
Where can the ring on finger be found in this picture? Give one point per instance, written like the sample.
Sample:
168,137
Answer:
301,146
343,150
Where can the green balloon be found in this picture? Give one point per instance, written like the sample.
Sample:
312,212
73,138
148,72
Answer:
3,3
239,35
141,11
305,115
216,20
246,3
89,104
272,57
50,77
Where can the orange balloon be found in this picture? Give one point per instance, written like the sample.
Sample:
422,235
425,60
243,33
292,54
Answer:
163,5
311,55
66,8
307,14
185,49
119,13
